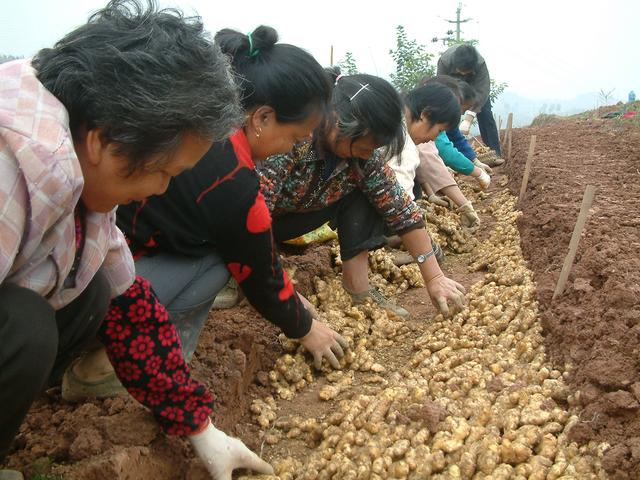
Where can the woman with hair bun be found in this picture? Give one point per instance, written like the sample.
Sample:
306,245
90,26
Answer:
212,222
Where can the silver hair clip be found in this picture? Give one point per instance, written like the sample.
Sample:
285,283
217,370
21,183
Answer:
338,78
362,87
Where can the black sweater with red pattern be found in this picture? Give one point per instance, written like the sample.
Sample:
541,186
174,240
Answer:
218,206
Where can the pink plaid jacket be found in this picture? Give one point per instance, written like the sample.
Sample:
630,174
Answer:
40,185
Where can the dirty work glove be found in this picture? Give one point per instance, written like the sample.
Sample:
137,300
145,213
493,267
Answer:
468,216
467,121
482,166
443,290
484,180
438,200
222,454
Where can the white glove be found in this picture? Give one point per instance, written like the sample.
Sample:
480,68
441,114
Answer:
222,454
468,216
467,121
482,166
438,200
484,180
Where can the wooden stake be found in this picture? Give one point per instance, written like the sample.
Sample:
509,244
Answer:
331,56
587,200
508,135
480,144
499,126
527,168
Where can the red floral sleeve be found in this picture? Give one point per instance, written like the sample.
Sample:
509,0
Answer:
144,348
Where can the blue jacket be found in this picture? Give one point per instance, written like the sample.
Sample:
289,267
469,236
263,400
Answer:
461,143
451,156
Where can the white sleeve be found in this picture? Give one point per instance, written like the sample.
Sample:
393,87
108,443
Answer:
405,165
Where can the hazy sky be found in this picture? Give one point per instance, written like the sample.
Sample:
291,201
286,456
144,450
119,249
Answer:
541,48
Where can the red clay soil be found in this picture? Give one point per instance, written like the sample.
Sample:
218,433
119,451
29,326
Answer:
593,329
117,439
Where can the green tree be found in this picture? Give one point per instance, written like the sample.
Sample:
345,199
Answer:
412,61
495,89
348,64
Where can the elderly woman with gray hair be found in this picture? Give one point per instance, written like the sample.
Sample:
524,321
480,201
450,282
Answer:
105,117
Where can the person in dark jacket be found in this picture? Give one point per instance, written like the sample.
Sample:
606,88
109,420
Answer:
464,62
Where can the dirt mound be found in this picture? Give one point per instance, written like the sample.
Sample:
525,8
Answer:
593,329
306,263
545,119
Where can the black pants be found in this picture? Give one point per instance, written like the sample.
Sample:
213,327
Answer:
37,344
360,226
488,129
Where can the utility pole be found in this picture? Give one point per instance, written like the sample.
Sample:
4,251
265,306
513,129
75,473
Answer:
457,21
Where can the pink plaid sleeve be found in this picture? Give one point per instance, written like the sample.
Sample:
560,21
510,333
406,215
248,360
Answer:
13,201
118,264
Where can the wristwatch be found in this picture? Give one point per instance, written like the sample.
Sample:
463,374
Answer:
423,256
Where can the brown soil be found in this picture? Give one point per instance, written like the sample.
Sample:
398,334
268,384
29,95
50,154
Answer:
118,439
110,439
593,329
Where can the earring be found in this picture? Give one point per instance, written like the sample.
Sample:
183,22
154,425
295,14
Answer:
258,132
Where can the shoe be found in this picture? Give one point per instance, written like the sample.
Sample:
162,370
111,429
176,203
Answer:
468,216
227,297
491,158
10,475
375,295
402,258
75,389
394,241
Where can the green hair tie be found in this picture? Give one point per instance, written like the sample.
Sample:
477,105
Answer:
252,52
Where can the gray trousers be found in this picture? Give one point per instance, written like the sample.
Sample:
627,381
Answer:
187,287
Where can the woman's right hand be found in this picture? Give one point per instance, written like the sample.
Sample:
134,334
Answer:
222,454
443,290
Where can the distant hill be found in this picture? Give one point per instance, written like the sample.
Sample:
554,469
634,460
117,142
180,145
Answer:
7,58
526,109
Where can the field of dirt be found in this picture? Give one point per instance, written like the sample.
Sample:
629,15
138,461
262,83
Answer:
593,329
509,388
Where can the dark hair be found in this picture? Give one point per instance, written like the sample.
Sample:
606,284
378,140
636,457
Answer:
465,92
144,77
468,94
437,101
366,105
465,58
283,76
